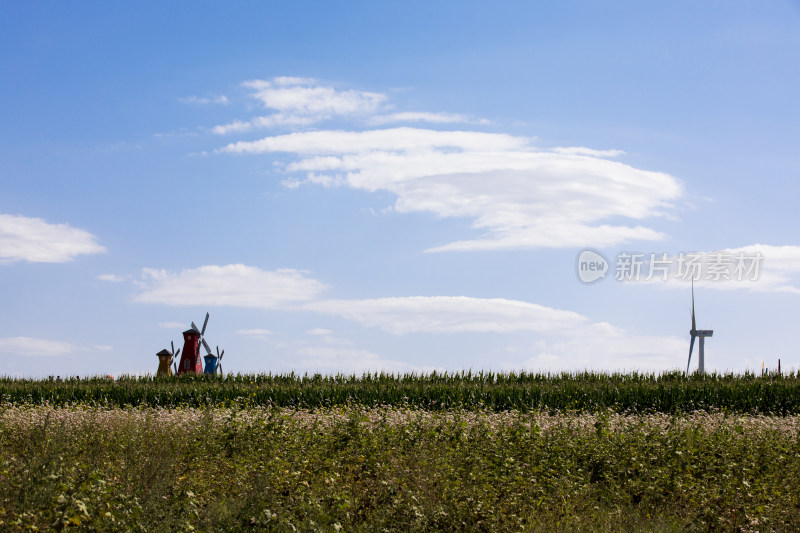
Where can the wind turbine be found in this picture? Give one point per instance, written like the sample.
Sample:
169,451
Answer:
702,333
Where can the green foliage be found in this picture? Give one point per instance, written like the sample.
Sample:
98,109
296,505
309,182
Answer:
437,452
527,392
394,469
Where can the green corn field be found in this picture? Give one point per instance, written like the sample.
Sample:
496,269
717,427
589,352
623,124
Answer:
525,392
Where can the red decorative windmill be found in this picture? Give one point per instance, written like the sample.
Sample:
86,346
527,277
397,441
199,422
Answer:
191,362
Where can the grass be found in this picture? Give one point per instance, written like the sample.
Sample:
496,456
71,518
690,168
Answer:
400,453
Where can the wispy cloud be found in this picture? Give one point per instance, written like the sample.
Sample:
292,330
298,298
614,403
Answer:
255,333
517,195
568,340
399,142
780,271
34,240
422,116
347,360
303,96
451,314
203,100
228,285
28,346
112,278
300,102
269,121
601,346
579,150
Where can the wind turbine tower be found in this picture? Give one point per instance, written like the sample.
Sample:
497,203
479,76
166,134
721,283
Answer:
702,333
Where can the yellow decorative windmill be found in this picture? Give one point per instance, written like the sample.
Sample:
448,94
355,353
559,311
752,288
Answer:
165,360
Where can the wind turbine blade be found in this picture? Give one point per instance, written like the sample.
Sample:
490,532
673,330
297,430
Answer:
173,347
691,345
177,353
205,345
694,325
220,355
205,323
217,351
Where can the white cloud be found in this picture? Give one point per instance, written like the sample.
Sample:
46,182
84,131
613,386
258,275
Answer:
112,278
269,121
422,116
780,264
302,96
27,346
255,333
567,340
451,314
347,360
283,119
393,141
237,126
319,331
221,99
283,81
601,346
518,196
302,101
229,285
34,240
572,340
579,150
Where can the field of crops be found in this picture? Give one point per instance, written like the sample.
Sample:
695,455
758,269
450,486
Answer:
665,393
486,452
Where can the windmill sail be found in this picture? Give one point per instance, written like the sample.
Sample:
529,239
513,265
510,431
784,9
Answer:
692,332
219,363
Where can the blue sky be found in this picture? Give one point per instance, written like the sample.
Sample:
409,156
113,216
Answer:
397,186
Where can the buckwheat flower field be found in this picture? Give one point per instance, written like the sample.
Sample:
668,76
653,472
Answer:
458,452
